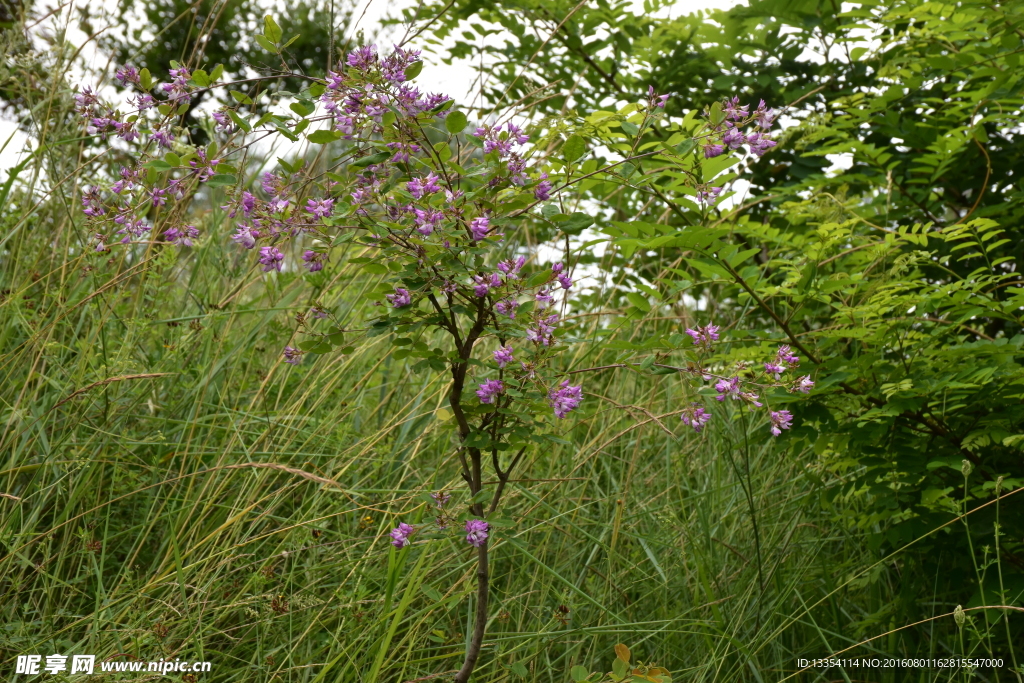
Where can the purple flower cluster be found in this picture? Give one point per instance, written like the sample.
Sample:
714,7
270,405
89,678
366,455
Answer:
490,390
704,336
400,535
695,416
476,532
729,133
565,398
503,356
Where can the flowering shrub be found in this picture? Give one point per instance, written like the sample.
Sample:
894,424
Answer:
437,211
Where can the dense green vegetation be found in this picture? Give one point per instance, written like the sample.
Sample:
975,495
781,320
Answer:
172,489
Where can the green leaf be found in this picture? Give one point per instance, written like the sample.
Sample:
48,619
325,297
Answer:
164,109
302,107
271,30
266,44
317,89
630,128
322,137
519,670
159,165
620,668
573,148
377,158
576,223
217,72
201,78
145,79
291,40
239,121
717,115
579,674
455,122
685,147
221,180
241,97
173,159
639,301
413,70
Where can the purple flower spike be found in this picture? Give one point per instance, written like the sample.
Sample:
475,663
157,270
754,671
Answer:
543,190
728,387
703,336
320,208
565,399
400,298
476,532
127,74
695,416
314,260
804,384
781,419
503,356
479,227
292,356
271,258
489,390
400,535
712,151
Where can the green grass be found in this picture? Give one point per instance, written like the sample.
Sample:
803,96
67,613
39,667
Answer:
175,490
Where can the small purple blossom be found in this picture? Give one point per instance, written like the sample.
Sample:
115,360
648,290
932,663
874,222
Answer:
271,258
418,187
127,74
708,195
428,221
163,138
292,356
503,356
543,333
781,419
703,336
400,298
476,532
223,122
565,398
489,390
440,499
362,58
728,387
786,355
733,137
804,385
400,534
774,369
711,151
479,227
695,416
182,236
320,208
543,190
314,260
246,236
511,268
507,307
544,299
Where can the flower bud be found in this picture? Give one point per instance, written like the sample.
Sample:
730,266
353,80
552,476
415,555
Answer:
958,616
966,467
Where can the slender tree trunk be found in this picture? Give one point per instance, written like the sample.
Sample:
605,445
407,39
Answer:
480,620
